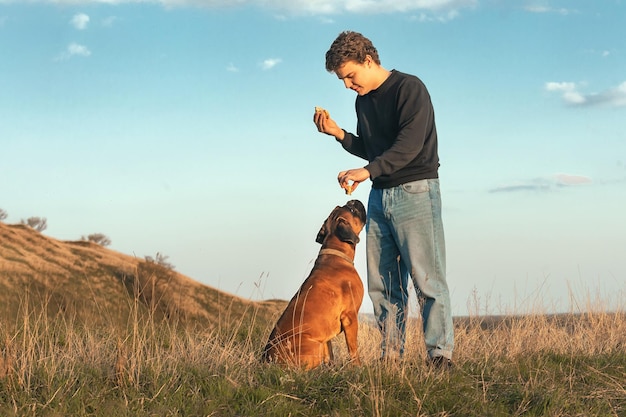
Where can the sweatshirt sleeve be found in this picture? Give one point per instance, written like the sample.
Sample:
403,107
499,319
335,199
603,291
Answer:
353,144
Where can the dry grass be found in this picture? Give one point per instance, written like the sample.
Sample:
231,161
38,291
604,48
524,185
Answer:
560,365
85,331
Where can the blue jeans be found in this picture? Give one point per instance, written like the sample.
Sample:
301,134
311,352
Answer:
405,238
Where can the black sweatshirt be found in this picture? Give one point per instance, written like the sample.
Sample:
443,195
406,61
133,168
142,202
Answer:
396,132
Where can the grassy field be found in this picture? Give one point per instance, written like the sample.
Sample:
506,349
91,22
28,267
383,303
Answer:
531,365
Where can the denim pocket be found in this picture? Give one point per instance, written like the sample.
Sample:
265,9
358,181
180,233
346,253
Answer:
416,187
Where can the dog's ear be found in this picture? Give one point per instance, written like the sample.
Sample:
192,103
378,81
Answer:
321,235
345,233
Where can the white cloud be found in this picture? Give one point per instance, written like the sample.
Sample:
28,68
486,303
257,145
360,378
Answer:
109,21
232,68
311,7
560,86
613,97
377,6
537,8
442,17
74,49
270,63
549,183
569,179
569,91
80,21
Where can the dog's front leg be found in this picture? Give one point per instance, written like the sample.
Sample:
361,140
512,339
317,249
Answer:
329,351
350,326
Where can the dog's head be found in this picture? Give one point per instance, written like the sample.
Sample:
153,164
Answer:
345,222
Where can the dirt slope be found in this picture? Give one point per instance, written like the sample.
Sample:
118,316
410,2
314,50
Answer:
89,282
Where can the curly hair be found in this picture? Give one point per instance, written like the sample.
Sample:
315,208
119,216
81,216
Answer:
350,46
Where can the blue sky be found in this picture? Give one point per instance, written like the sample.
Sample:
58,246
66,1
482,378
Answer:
185,127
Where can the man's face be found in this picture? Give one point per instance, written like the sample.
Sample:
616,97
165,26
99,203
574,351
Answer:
356,76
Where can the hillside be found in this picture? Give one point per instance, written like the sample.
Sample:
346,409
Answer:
87,282
98,333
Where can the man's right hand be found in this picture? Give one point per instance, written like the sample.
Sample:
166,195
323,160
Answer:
350,179
326,125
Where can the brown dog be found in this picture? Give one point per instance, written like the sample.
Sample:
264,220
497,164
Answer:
328,301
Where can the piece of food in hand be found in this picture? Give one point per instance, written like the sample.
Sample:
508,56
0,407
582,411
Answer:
322,110
349,189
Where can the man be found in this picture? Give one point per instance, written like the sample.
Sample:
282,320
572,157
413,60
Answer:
396,134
